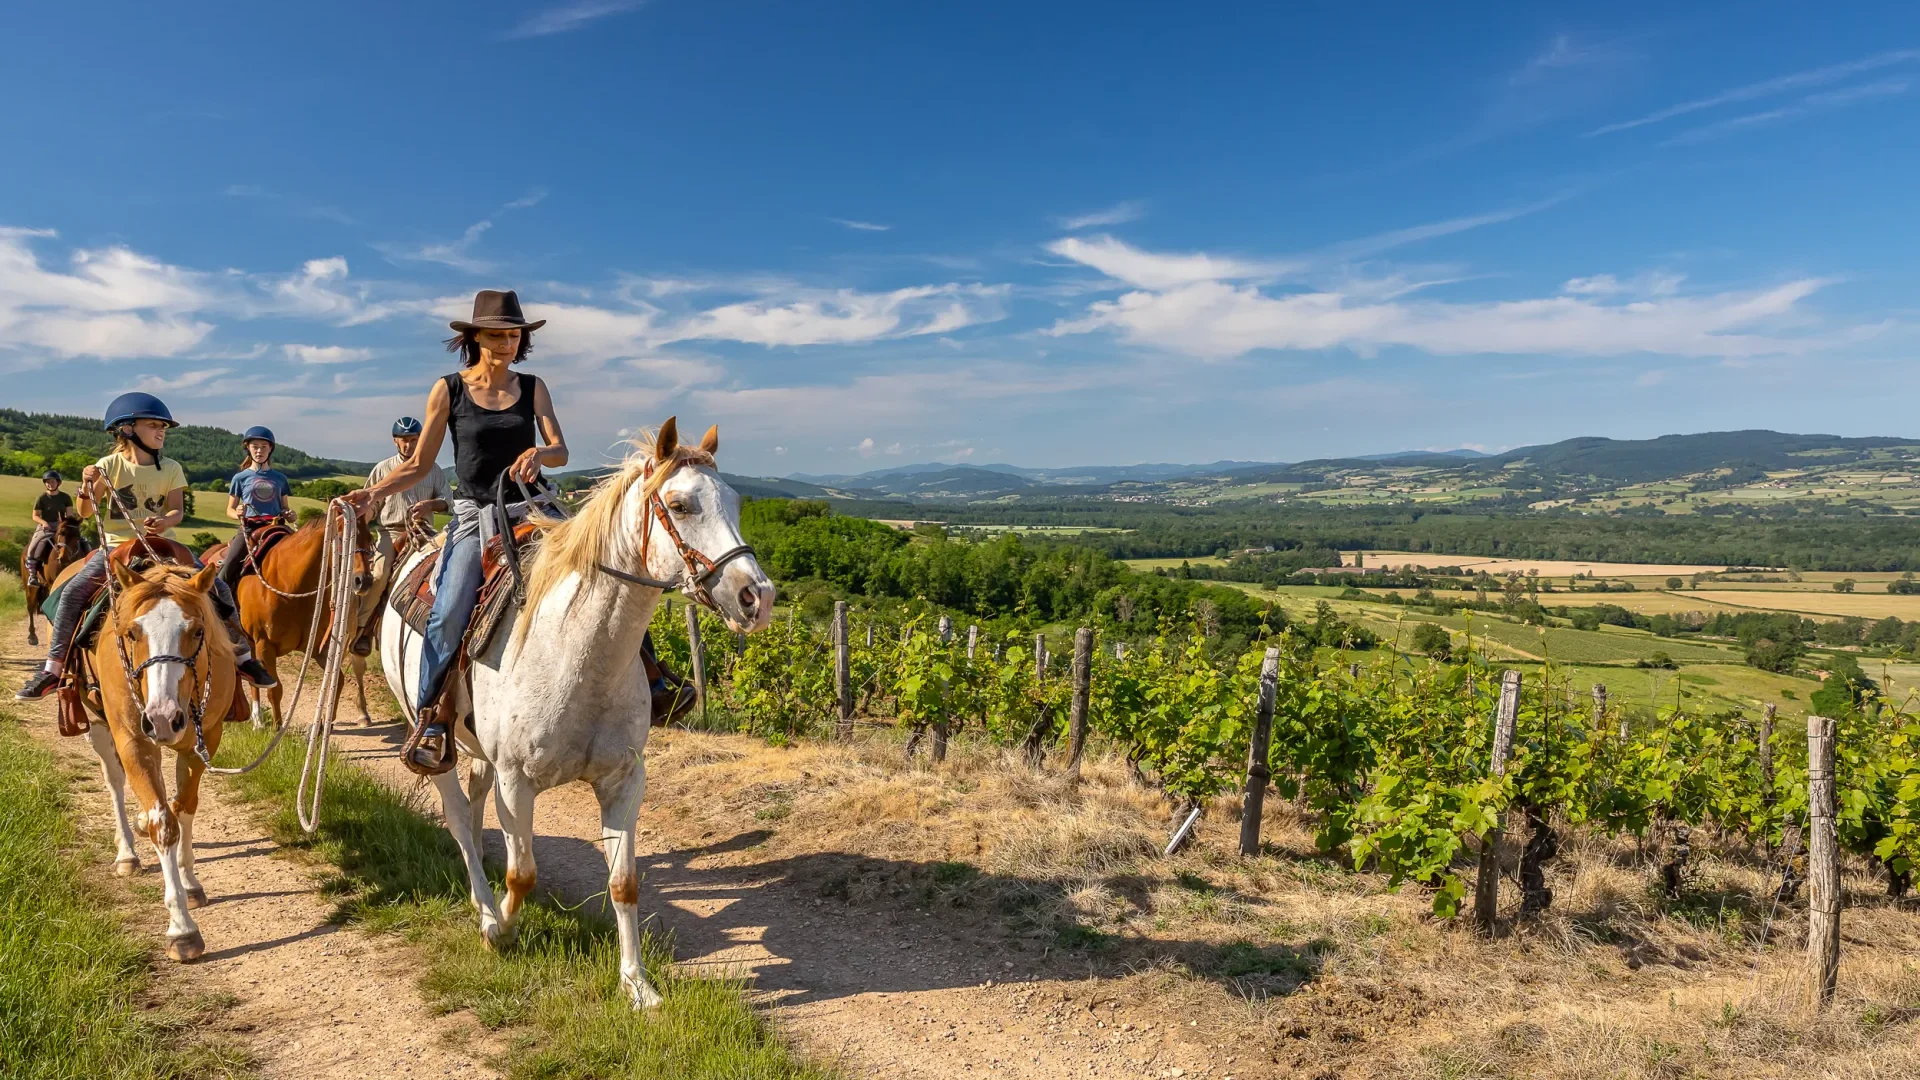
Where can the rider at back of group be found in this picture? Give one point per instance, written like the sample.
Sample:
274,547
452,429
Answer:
145,495
408,510
256,498
49,510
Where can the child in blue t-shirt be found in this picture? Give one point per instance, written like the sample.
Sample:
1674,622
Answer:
256,497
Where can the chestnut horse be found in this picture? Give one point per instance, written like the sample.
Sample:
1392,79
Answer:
166,679
277,601
68,547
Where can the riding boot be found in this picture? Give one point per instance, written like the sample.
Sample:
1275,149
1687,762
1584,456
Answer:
33,575
250,669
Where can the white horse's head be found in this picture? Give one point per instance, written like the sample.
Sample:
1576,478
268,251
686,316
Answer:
665,515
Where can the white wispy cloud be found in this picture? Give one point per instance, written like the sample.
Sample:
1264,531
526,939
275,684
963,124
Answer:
112,302
862,226
1154,270
1799,80
1118,214
326,354
1201,311
300,206
1806,106
565,17
458,254
1373,245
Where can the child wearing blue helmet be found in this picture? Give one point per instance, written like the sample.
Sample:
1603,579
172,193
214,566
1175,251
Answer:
256,498
143,493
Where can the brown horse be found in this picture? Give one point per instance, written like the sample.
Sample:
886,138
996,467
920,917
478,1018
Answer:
68,547
276,602
166,679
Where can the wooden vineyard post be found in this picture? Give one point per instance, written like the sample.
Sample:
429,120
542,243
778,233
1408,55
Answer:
1037,736
1599,705
1486,890
973,639
941,727
1082,687
842,669
946,629
1258,771
1766,754
698,657
1823,865
1119,650
869,635
1039,657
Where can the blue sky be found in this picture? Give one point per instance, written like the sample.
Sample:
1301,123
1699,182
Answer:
860,234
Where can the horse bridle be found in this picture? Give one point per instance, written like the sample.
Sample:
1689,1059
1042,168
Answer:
198,711
698,571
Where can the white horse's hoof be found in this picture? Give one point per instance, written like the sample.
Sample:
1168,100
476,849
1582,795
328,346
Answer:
499,937
196,898
645,997
126,867
186,948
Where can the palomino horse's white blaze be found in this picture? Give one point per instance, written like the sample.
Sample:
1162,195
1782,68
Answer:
164,628
564,697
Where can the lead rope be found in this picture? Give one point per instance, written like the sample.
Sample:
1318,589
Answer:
336,584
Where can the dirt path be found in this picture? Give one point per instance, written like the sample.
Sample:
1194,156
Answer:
310,999
885,989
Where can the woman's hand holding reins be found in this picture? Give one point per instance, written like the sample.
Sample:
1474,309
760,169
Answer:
526,467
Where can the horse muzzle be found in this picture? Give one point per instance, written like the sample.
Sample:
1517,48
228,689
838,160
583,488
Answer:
748,606
164,723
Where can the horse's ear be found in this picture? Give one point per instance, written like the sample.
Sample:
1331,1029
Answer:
710,442
203,581
122,573
667,442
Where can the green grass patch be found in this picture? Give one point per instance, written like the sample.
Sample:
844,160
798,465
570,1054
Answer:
557,992
71,975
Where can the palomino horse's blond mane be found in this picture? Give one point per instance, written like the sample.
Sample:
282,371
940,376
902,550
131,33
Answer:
590,537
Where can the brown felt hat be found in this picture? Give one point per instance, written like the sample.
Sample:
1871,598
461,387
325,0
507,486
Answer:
494,310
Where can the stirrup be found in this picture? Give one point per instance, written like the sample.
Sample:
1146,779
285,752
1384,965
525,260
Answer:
411,751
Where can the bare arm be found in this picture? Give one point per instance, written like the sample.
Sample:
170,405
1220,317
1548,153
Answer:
554,454
93,488
433,432
235,509
176,513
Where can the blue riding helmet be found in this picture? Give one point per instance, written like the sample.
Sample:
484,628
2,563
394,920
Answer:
137,406
51,474
404,426
257,432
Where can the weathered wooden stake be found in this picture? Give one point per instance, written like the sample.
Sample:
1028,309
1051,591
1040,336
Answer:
1259,773
946,630
1766,755
698,656
1039,657
1119,650
973,639
1486,891
1183,834
1082,685
1823,851
869,635
842,677
1599,705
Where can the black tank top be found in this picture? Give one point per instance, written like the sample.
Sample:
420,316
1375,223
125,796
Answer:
485,441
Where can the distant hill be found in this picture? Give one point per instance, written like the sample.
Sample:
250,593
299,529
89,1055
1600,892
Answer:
30,443
1423,455
1636,461
1074,475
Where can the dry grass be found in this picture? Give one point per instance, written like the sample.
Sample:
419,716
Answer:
1304,966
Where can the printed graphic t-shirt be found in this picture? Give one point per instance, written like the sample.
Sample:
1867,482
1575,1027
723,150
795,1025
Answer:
143,487
262,492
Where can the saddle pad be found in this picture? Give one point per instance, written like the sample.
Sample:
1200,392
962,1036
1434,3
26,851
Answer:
413,597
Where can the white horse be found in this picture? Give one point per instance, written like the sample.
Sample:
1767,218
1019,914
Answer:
563,696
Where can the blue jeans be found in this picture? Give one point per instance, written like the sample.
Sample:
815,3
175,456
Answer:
455,592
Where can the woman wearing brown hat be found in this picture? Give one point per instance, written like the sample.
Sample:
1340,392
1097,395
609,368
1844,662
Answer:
499,419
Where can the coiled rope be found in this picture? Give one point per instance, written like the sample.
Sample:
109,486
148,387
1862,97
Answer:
336,585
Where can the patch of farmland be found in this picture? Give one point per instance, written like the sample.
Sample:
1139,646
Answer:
1829,604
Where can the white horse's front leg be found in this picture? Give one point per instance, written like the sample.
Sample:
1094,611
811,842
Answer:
619,815
459,814
513,804
126,860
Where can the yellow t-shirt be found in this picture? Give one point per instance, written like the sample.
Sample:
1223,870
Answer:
143,487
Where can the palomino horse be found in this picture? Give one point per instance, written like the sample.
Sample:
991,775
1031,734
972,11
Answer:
277,600
68,546
563,696
166,674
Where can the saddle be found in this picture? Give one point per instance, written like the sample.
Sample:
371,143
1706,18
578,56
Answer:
262,539
412,597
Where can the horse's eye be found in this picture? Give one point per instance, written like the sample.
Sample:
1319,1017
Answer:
679,506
